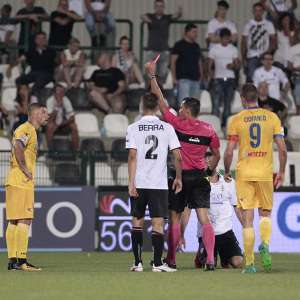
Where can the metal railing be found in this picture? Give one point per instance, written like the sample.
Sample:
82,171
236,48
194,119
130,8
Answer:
67,168
83,47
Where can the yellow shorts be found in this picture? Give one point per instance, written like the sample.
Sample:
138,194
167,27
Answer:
19,203
253,194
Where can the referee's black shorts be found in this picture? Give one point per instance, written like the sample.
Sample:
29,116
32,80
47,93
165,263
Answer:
195,191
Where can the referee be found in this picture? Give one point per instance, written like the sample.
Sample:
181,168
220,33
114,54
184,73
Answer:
148,141
195,137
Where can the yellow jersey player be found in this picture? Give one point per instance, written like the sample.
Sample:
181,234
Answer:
19,187
254,129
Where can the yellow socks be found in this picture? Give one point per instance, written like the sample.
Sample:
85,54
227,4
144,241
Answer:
22,240
265,229
248,241
11,240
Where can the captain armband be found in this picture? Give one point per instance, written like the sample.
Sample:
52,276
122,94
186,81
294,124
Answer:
232,138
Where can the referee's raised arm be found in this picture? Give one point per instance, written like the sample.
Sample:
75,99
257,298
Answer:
150,68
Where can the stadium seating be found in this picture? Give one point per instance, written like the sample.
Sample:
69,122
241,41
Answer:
103,175
214,121
8,98
79,98
118,146
4,169
43,94
205,102
15,73
122,174
42,175
115,125
94,144
67,174
87,125
89,71
64,145
289,101
5,144
236,105
134,98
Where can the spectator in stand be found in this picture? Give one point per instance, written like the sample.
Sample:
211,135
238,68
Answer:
61,115
126,61
273,76
3,116
98,11
224,58
22,101
259,36
107,87
265,101
294,67
186,64
6,31
286,37
158,36
32,13
220,21
42,60
72,62
62,21
275,8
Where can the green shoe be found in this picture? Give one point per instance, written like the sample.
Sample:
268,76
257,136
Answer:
266,258
250,269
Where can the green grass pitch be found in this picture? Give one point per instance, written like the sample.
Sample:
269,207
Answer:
106,276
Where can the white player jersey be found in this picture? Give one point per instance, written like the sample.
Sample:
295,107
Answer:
222,197
152,139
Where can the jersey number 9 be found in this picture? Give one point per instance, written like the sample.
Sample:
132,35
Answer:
255,133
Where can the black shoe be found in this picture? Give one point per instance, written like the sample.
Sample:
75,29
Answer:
172,266
209,267
12,264
26,266
94,41
102,39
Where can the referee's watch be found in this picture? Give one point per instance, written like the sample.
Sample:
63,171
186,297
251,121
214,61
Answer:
151,77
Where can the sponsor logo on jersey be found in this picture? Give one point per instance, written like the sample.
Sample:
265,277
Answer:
24,137
30,209
255,154
24,181
242,200
195,140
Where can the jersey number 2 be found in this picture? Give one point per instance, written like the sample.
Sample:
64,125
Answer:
149,154
255,133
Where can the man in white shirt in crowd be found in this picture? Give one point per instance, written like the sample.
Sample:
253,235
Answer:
273,76
148,141
224,58
222,197
215,25
259,36
61,115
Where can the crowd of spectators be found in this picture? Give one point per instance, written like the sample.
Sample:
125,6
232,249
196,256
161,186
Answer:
269,52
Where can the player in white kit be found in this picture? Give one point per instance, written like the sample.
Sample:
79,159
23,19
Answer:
222,197
148,141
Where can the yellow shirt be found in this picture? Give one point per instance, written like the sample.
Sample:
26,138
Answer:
26,134
254,129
